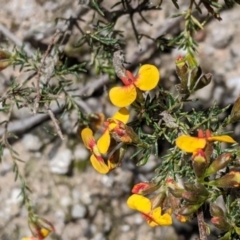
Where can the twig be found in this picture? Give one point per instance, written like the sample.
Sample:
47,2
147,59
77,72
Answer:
81,104
24,125
39,73
201,225
169,25
55,122
118,61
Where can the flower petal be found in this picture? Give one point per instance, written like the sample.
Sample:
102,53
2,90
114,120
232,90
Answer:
223,138
103,142
148,77
139,203
162,220
87,137
45,232
98,165
190,144
122,114
123,96
29,238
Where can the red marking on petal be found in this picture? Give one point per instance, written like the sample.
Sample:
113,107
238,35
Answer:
148,217
201,133
128,79
91,143
208,133
140,186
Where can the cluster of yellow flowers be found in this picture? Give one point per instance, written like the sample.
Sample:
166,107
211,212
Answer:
114,130
108,150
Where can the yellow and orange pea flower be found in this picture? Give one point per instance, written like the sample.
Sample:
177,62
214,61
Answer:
154,216
101,146
96,158
192,144
146,79
120,117
43,233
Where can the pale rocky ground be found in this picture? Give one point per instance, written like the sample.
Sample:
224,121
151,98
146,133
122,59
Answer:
84,205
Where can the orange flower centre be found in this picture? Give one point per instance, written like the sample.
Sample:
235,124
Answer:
129,79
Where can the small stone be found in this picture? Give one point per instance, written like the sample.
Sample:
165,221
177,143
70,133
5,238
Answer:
78,211
76,195
81,153
65,201
221,37
125,228
5,168
99,236
93,103
108,180
21,113
16,197
32,142
61,162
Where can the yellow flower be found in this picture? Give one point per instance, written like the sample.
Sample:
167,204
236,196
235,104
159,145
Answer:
29,238
192,144
44,232
152,216
147,79
103,142
39,227
96,157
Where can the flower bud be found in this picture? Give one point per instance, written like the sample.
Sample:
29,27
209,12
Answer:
201,189
199,163
218,164
189,186
39,227
189,209
176,192
144,188
220,223
193,197
230,180
190,75
123,133
198,194
182,72
216,211
5,59
174,188
158,200
208,151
